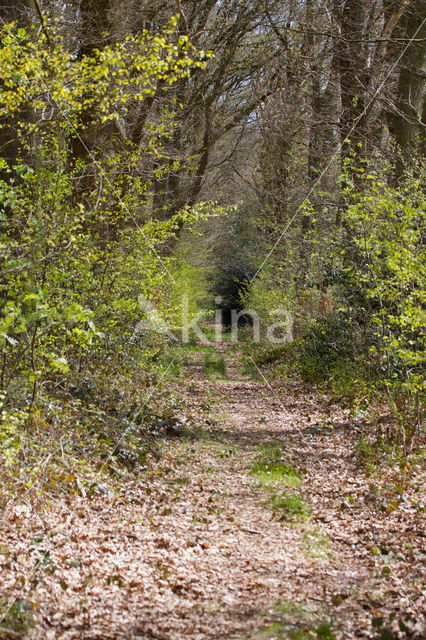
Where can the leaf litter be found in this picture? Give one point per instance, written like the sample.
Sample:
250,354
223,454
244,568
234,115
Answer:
192,548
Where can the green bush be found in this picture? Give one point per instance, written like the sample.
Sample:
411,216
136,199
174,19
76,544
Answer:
385,257
88,284
356,297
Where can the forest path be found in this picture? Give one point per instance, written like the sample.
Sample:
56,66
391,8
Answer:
194,549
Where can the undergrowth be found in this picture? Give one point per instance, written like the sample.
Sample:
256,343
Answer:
90,433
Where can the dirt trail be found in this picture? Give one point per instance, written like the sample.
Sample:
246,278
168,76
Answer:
193,550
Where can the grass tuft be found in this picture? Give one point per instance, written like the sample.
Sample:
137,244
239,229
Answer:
270,468
290,505
214,365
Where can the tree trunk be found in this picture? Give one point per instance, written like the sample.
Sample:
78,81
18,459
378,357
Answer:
407,124
12,11
350,61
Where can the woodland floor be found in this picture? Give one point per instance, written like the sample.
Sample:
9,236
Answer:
192,549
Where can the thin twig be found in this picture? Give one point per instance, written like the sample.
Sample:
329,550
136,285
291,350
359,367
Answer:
42,19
